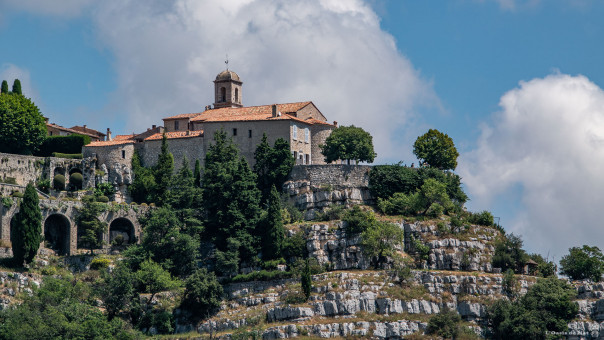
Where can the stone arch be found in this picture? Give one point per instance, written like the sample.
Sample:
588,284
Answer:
59,170
57,233
121,228
74,170
80,233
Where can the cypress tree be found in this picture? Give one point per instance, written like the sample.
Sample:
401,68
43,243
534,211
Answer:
17,87
163,173
27,228
306,280
197,174
4,87
274,233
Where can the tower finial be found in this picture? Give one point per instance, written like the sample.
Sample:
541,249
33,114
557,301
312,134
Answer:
227,61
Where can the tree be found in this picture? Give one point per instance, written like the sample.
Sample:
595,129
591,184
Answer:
273,165
379,241
437,149
163,173
22,126
4,87
117,290
349,143
509,253
197,174
17,87
185,200
446,323
274,233
152,279
203,292
143,185
306,280
90,228
27,228
583,263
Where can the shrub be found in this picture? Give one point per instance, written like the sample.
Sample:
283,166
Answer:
118,240
58,182
63,144
203,293
445,324
435,210
99,263
9,180
67,155
583,263
44,185
104,189
484,218
294,246
262,275
332,212
7,202
76,180
88,198
17,194
102,199
357,220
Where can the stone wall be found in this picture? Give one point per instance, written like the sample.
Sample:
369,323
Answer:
314,187
191,147
319,136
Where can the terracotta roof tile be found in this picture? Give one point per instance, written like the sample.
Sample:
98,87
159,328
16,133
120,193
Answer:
182,116
316,121
176,134
123,137
110,143
62,128
263,112
87,130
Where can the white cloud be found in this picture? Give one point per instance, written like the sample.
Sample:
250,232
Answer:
10,72
548,140
331,52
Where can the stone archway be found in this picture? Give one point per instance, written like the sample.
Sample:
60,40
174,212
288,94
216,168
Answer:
121,232
57,231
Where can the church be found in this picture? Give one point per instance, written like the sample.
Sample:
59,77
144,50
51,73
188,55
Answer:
191,134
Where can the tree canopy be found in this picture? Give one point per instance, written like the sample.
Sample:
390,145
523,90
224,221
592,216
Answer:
583,263
437,149
273,164
17,87
349,143
22,126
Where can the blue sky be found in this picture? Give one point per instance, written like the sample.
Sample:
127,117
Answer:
516,84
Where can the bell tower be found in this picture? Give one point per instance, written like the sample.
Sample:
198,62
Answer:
227,90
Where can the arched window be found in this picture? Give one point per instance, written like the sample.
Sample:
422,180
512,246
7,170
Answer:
236,95
222,94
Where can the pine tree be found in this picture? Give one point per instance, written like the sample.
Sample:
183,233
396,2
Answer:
27,228
274,233
163,173
197,174
273,165
17,87
4,87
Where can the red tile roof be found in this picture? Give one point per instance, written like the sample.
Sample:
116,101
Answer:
123,137
176,134
263,112
62,128
182,116
110,143
87,130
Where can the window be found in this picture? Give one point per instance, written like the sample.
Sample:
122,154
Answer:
236,95
301,157
307,158
235,132
176,125
295,154
295,132
123,154
306,135
222,94
249,133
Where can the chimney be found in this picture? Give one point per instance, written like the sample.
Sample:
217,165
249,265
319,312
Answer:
84,126
153,126
335,123
274,110
109,135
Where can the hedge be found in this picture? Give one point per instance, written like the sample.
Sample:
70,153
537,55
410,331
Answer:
71,144
58,182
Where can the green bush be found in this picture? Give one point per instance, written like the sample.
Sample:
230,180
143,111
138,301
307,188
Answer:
88,198
332,212
9,180
44,185
484,218
102,199
7,202
67,155
58,182
294,246
445,324
262,275
104,189
357,220
76,180
399,204
435,210
17,194
99,263
63,144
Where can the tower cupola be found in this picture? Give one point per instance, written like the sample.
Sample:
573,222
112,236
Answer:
227,90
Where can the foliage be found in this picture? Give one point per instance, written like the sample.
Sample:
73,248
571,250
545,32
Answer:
4,89
99,263
437,149
68,145
58,182
67,155
197,174
447,324
143,184
60,309
44,185
104,189
509,253
22,126
544,268
163,174
306,281
330,213
17,194
90,228
203,292
273,231
348,143
75,180
234,207
583,263
152,278
227,262
17,87
421,250
358,220
273,165
484,218
547,306
380,241
27,228
510,285
185,200
102,199
7,202
262,275
294,246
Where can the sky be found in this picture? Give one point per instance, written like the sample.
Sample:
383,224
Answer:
516,84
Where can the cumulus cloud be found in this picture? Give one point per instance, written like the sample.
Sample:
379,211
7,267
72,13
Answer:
548,142
331,52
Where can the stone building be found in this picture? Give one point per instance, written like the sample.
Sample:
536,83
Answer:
191,134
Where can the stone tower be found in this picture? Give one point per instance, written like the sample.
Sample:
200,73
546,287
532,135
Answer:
227,90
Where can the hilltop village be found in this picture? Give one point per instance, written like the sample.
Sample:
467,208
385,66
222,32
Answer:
242,223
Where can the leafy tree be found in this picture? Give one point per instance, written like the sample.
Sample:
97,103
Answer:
163,173
547,306
349,143
544,268
22,126
273,165
380,240
4,87
583,263
509,253
152,279
232,199
90,228
143,185
17,87
117,290
227,262
186,200
197,174
27,228
357,220
273,231
306,280
203,292
437,149
445,324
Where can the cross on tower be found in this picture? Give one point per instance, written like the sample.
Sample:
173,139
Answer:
227,62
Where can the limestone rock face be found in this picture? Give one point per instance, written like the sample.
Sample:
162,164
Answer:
331,246
288,313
